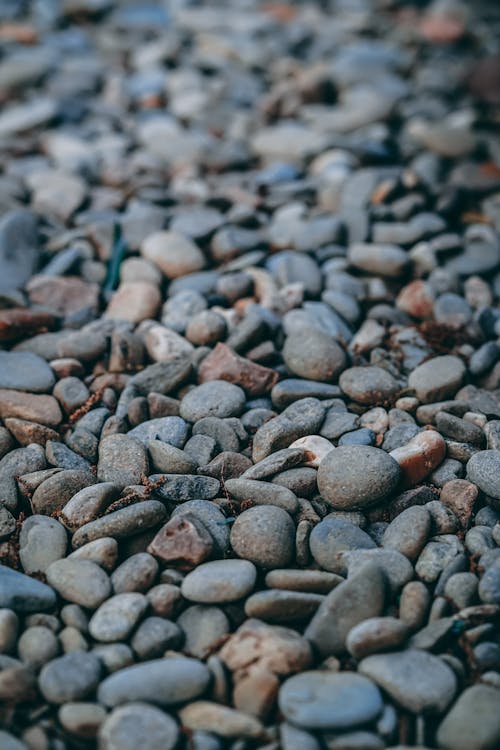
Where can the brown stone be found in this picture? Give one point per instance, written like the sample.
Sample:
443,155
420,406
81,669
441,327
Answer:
460,495
165,599
224,364
63,294
256,693
256,645
33,408
30,432
420,456
183,541
18,323
65,367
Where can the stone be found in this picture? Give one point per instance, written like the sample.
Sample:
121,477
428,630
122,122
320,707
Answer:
154,637
225,722
273,648
361,596
23,594
262,493
315,356
368,385
472,722
354,477
88,504
212,519
382,260
437,379
408,532
265,535
376,634
37,646
172,430
53,493
31,407
24,371
19,248
315,581
203,627
116,617
168,459
162,682
70,677
317,448
332,536
419,682
173,253
184,542
278,606
325,700
420,456
82,719
303,417
123,460
216,398
79,581
134,301
219,581
122,523
41,541
126,727
136,573
483,469
224,364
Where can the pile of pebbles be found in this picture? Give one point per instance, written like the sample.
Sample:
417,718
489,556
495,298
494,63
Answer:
250,375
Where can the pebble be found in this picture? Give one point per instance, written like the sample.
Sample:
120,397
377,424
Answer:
361,596
41,541
219,581
368,385
82,719
203,628
23,594
431,688
420,456
483,469
122,523
184,541
220,720
316,356
264,535
472,721
116,617
162,682
408,532
262,493
126,727
41,409
376,634
354,477
216,398
24,371
70,677
79,581
331,537
123,460
173,253
323,700
437,379
37,646
55,491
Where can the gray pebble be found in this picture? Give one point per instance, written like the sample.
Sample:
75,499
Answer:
70,677
127,727
117,616
217,398
265,535
331,537
79,581
219,581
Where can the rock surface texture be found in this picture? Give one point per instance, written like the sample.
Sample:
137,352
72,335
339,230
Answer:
249,375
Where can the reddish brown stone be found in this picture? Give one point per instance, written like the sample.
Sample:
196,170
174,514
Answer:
28,406
420,456
416,299
30,432
63,294
183,541
460,495
224,364
18,323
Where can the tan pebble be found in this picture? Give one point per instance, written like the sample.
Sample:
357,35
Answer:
460,495
375,419
416,299
221,720
318,447
134,301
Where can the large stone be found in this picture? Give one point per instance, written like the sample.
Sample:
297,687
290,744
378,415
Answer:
417,681
25,371
437,379
138,725
355,477
329,701
473,723
24,594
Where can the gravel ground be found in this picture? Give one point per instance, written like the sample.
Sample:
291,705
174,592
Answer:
249,375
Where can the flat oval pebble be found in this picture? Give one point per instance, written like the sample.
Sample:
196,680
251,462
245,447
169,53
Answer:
219,581
416,680
437,379
117,616
483,469
354,477
265,535
70,677
162,682
79,581
217,398
368,385
126,727
325,700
